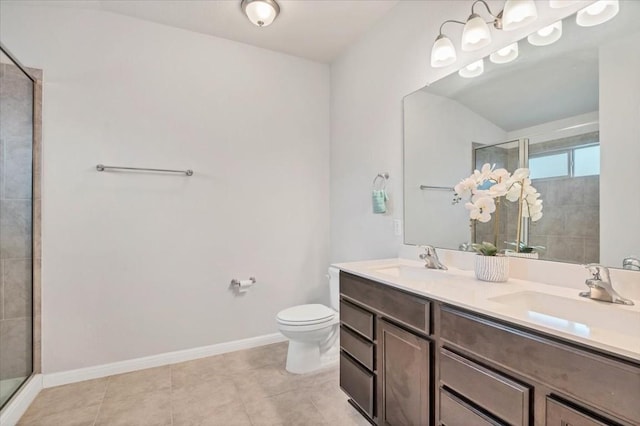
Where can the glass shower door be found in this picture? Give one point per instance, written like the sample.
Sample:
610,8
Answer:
16,219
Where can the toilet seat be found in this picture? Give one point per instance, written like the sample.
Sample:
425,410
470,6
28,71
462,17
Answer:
305,315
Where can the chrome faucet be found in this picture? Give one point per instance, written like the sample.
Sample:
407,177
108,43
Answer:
600,287
430,258
631,263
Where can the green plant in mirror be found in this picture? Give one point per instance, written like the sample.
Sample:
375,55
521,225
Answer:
485,249
524,248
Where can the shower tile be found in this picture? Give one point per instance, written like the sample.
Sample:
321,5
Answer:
61,399
566,249
84,416
17,288
144,409
37,229
15,348
142,381
1,289
15,228
17,168
16,98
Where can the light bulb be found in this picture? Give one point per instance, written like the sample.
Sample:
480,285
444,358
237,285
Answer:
546,35
518,13
474,69
598,13
505,55
442,53
475,34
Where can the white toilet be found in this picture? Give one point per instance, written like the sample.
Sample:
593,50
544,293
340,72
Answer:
313,331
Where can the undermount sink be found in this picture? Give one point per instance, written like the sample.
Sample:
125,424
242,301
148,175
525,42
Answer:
414,273
572,315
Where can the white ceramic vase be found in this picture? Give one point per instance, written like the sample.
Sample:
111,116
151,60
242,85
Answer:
492,268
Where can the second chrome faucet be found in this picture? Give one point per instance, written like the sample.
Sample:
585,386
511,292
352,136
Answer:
430,258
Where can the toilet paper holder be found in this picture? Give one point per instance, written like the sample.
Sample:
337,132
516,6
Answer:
236,282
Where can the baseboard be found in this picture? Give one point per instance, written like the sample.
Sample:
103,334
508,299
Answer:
19,403
127,366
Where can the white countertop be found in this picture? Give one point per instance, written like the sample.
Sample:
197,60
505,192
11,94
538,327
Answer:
551,309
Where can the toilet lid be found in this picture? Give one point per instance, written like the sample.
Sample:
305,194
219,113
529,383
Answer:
306,314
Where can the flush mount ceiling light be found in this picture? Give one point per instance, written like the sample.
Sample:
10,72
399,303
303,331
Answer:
546,35
474,69
260,12
505,55
477,34
597,13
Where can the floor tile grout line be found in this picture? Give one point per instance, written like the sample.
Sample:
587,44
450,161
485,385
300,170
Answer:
104,394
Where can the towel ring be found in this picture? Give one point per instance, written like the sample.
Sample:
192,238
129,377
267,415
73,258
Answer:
384,176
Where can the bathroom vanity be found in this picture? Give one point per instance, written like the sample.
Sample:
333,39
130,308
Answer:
424,347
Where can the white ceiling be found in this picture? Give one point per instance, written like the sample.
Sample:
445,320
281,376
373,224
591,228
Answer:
319,30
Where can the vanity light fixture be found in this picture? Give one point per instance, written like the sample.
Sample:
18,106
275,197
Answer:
557,4
505,55
518,14
547,35
474,69
260,12
477,34
598,13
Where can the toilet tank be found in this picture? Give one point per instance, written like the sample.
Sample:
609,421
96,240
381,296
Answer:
334,288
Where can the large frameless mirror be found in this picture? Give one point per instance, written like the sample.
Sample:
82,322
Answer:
569,112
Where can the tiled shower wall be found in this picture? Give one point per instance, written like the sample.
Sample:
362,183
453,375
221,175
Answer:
16,139
570,226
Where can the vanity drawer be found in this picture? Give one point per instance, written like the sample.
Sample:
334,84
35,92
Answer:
358,383
492,391
396,305
455,412
357,318
357,347
561,366
559,414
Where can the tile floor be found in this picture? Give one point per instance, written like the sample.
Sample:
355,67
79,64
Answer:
249,387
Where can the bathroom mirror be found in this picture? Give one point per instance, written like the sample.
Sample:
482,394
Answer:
570,111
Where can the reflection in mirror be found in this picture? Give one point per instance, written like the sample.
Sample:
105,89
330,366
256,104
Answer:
576,101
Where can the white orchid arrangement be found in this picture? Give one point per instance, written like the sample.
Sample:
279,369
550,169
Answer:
486,187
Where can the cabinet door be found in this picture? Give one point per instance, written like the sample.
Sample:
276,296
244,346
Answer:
559,414
403,377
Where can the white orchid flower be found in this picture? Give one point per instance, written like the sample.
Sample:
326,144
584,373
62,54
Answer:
481,209
484,173
498,190
520,174
499,175
465,188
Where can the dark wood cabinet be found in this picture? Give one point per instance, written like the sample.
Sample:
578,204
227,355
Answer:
410,361
403,377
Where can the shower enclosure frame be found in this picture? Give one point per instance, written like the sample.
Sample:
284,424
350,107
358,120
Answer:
35,76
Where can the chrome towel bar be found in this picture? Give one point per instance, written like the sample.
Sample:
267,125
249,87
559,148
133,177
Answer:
102,168
437,188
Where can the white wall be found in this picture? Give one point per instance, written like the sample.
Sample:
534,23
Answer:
620,155
368,83
139,264
428,118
